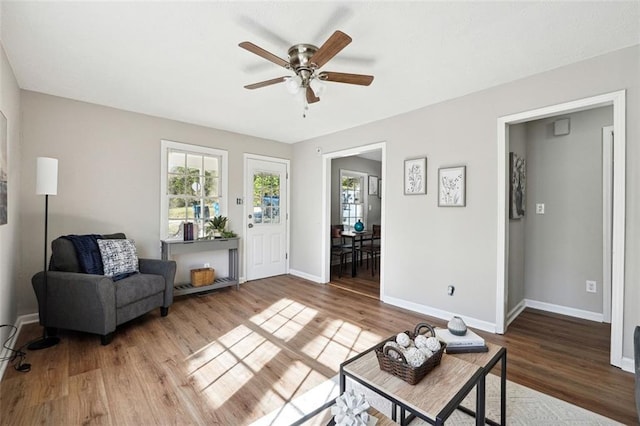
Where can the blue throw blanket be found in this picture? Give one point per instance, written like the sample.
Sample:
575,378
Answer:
88,252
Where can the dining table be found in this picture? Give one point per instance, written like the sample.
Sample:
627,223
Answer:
357,238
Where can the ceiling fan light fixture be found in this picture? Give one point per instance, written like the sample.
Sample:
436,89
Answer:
317,86
293,84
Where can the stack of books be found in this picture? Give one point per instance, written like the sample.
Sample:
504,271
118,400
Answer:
470,342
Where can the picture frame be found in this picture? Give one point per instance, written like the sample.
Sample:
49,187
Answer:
452,186
517,185
373,185
380,188
415,176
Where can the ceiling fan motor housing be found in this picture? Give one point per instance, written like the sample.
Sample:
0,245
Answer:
300,60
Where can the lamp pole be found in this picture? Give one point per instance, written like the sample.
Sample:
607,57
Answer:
46,184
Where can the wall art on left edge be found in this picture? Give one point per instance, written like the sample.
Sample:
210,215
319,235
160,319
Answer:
517,187
4,171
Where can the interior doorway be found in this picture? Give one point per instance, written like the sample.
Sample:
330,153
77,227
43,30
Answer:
617,100
371,212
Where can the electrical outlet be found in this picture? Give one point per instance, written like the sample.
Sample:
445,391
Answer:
207,265
540,208
450,290
591,287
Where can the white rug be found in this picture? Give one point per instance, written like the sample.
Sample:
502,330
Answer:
524,406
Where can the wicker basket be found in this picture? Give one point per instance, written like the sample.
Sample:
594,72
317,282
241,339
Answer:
401,368
202,276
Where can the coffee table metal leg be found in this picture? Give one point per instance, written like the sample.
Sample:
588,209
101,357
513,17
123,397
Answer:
503,390
480,401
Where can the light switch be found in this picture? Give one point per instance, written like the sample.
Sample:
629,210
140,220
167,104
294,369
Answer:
540,208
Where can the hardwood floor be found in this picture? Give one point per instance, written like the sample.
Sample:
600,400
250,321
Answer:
233,356
364,283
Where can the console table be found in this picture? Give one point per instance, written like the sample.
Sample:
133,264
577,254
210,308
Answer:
174,247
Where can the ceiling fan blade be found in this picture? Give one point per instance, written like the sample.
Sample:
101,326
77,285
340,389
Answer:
311,97
330,48
340,77
263,53
265,83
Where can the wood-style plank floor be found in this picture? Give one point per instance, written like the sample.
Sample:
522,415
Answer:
233,356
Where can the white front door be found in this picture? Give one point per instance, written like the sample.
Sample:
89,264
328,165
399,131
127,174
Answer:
266,213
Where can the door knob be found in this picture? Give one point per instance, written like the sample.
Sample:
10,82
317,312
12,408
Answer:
251,225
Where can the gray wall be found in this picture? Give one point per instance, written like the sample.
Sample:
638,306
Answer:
564,246
109,173
515,292
427,247
357,164
10,238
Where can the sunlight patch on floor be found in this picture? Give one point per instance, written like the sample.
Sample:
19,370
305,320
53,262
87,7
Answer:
225,366
284,319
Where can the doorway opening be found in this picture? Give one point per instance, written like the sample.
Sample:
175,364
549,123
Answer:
353,191
617,100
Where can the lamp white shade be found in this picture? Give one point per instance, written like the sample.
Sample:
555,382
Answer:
47,176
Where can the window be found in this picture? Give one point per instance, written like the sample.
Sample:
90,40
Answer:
266,197
353,202
193,186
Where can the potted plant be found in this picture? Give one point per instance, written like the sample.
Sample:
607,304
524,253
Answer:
215,226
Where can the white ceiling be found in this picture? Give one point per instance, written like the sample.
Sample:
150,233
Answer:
181,60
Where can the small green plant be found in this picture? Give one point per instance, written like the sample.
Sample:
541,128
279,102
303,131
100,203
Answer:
216,225
228,234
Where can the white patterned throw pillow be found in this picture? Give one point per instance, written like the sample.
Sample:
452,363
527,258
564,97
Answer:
118,257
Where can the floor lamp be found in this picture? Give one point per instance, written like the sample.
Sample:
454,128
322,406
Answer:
46,184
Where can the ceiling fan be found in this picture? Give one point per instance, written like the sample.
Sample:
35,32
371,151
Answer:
305,60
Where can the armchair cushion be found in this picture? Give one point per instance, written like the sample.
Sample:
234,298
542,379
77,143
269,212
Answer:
64,257
119,257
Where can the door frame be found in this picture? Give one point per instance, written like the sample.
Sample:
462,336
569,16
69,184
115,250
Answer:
245,221
607,203
326,207
618,100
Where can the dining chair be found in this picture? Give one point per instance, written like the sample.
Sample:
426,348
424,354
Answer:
371,248
339,248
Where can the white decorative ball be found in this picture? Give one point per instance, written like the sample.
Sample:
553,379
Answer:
414,357
403,340
426,352
421,341
433,344
395,346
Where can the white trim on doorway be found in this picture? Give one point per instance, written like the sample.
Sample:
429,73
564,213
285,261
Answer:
607,225
618,100
326,205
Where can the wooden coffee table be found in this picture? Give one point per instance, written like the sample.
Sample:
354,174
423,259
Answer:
437,395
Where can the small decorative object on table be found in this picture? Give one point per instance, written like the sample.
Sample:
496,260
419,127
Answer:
413,359
359,226
351,410
457,326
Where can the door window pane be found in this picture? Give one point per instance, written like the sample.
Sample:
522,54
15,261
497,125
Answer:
266,197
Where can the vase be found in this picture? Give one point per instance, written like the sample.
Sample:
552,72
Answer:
359,226
457,326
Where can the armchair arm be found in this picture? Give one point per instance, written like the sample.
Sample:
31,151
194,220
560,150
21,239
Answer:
76,301
166,268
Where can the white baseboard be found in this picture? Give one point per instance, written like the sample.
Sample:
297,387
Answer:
564,310
22,320
438,313
513,314
628,364
306,276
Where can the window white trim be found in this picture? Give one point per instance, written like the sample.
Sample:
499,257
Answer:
364,191
165,146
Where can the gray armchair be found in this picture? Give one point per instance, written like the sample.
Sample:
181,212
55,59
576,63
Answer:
95,303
